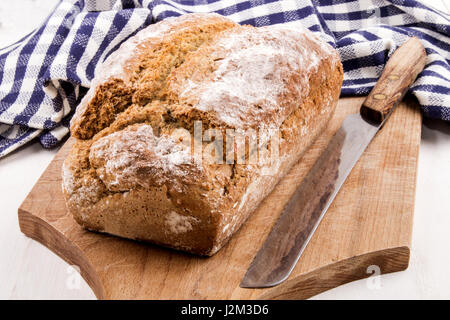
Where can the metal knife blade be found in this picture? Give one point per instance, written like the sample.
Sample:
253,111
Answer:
304,211
302,215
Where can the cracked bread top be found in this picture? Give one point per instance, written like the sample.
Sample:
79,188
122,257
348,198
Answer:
195,67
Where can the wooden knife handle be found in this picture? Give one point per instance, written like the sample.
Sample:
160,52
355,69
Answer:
398,75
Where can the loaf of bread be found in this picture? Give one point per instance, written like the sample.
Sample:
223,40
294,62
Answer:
135,170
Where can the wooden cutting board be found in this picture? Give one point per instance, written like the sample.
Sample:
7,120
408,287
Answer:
369,224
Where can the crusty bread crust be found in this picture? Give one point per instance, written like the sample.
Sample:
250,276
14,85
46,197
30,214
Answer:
127,175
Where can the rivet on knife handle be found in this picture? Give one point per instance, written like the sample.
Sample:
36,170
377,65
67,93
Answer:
398,75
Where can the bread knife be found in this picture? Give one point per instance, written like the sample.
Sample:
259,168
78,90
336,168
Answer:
302,214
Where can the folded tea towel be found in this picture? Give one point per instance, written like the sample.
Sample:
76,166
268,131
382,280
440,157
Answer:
44,75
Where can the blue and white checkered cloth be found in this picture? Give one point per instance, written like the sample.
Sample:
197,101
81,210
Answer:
44,75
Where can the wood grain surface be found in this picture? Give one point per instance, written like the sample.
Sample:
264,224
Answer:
369,223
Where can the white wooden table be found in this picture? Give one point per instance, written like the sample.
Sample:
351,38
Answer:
28,270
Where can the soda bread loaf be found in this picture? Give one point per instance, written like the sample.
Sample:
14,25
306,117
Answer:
133,170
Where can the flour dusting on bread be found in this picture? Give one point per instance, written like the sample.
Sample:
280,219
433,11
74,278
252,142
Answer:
178,223
130,171
135,157
254,72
